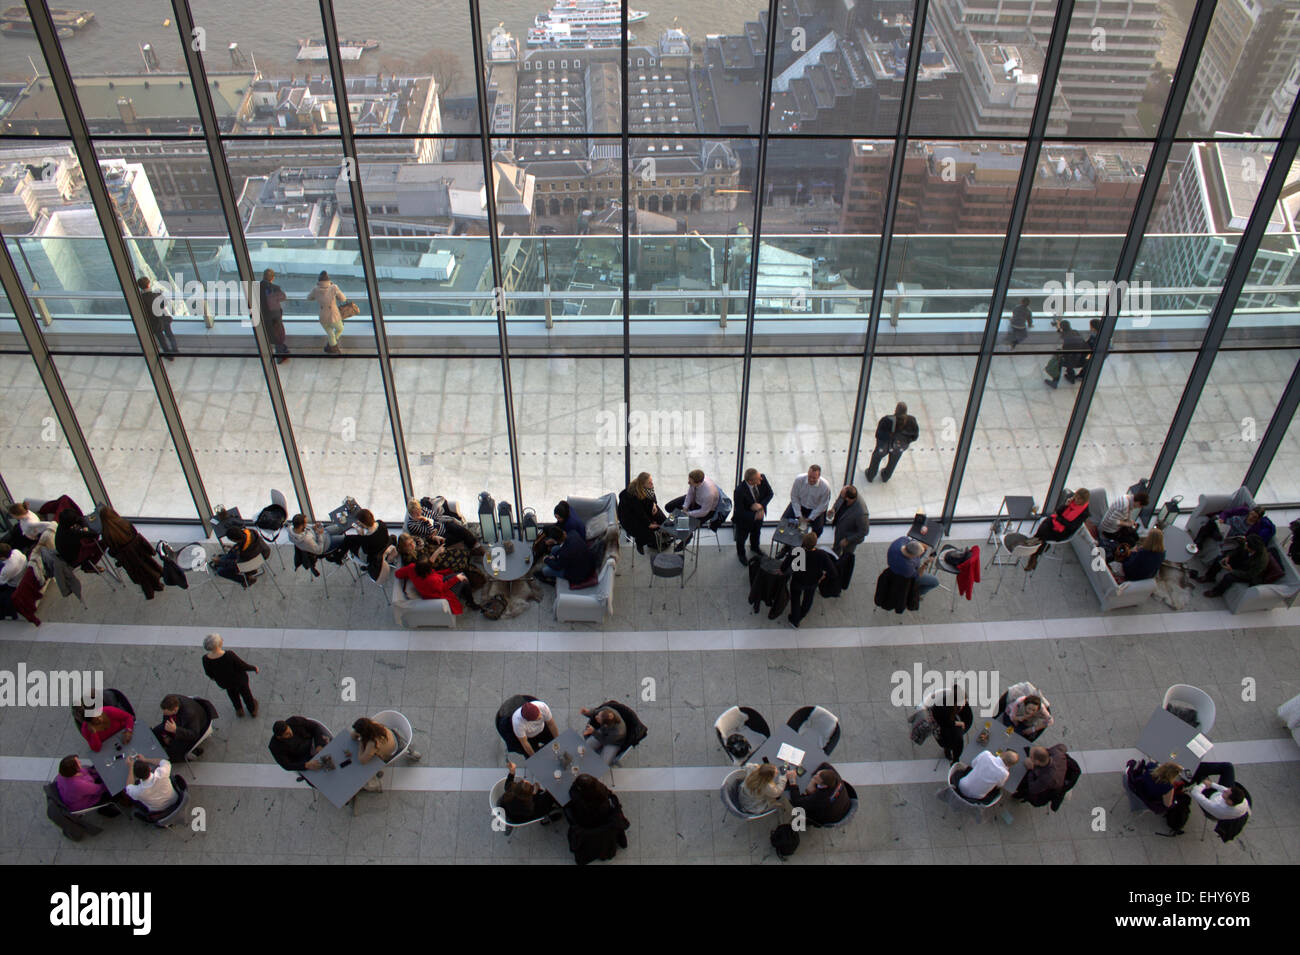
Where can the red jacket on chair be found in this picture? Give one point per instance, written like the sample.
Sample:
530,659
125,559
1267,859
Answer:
27,595
968,574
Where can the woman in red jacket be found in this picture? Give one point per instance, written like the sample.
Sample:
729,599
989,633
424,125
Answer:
97,729
436,585
1061,525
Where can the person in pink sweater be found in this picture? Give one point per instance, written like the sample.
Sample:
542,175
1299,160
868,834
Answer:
97,729
79,787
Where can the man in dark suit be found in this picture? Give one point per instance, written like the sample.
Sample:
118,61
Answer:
894,434
158,317
296,741
826,800
273,314
753,494
184,721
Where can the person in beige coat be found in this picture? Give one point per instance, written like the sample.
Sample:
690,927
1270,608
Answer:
328,297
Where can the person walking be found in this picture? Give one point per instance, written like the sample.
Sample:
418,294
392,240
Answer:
227,670
1071,359
328,297
1022,319
894,434
158,317
273,315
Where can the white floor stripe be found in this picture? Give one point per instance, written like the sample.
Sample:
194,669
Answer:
549,641
412,777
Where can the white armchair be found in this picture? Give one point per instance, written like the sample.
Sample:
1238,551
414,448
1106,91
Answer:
412,611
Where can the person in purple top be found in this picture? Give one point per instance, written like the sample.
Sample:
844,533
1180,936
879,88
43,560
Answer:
79,787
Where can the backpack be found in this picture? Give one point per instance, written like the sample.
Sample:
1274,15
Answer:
784,840
923,726
494,607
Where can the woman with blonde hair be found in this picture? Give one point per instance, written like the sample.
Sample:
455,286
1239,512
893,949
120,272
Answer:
1141,562
761,789
639,513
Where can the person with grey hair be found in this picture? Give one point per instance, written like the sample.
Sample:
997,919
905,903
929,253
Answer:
906,558
226,669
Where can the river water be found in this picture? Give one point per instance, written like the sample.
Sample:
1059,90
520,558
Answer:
413,34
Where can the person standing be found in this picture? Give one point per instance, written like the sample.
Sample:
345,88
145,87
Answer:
753,494
809,497
894,434
226,669
807,566
273,315
158,317
1072,357
1022,319
328,298
850,519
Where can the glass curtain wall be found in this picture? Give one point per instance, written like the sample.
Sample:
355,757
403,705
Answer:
597,253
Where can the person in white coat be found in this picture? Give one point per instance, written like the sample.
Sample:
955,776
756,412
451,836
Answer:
328,298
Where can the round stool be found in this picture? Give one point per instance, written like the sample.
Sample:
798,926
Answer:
668,565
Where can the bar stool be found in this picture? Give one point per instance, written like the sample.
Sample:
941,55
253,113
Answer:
668,565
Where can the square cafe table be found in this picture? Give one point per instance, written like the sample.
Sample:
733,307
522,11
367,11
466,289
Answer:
998,742
787,536
110,761
813,755
1165,739
541,766
341,783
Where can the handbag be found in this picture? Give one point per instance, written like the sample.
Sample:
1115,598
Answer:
349,309
1053,367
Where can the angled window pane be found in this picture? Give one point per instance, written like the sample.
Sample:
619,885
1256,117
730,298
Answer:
37,460
684,415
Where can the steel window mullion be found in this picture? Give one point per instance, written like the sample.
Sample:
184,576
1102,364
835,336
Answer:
239,244
498,305
1243,257
1006,265
361,218
760,178
119,253
887,234
1185,74
1283,415
59,401
627,252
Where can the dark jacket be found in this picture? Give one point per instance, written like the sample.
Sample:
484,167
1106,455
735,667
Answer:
897,593
137,558
76,543
745,497
74,827
768,584
1074,350
228,671
823,806
372,547
191,720
816,563
575,562
155,309
597,835
1143,564
852,524
519,811
898,434
294,754
272,311
1041,782
636,515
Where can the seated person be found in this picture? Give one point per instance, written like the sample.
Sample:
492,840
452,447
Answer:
597,827
1045,776
410,550
524,801
571,559
184,722
1237,523
149,783
1142,562
701,497
13,564
1061,525
1155,785
906,558
315,538
953,717
761,789
1224,799
550,536
1245,565
533,725
246,544
97,729
416,524
376,739
296,741
32,526
372,542
433,584
75,542
79,786
606,730
639,513
987,772
1027,713
1119,524
826,800
809,498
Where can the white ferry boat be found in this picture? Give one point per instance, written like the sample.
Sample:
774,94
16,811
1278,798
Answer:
576,23
348,49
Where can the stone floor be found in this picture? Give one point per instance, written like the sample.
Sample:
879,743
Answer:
1103,675
800,411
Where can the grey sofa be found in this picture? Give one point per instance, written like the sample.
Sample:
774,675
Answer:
1111,594
1239,597
591,604
412,611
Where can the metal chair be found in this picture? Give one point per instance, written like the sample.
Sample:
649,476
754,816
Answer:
400,725
732,720
1250,801
980,807
718,518
730,793
360,568
494,799
248,571
302,558
820,721
848,816
189,558
211,710
668,565
1015,545
1197,699
164,818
